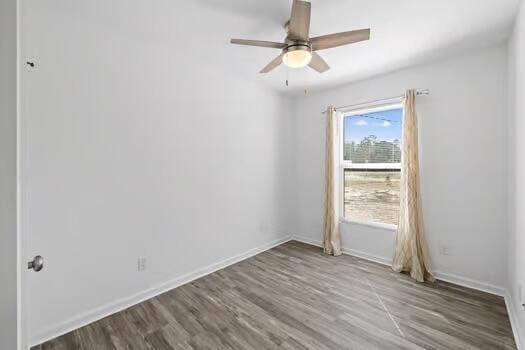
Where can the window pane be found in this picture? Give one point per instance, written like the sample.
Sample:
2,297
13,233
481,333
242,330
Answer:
373,137
372,196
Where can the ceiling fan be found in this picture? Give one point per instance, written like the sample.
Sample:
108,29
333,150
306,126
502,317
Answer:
298,49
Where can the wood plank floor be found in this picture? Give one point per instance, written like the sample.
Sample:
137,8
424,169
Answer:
293,297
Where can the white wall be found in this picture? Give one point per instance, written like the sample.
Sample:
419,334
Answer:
8,230
463,165
138,141
517,172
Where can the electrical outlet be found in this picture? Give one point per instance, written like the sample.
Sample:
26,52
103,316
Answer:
444,249
141,263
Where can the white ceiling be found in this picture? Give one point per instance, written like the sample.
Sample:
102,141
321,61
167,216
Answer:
403,33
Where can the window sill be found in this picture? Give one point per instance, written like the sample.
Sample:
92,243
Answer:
370,224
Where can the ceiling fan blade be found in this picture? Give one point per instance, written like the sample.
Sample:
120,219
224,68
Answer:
299,26
318,63
339,39
272,65
259,43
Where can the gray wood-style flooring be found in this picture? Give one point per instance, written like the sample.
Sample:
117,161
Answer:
294,297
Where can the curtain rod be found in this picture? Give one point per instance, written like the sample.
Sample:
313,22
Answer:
418,93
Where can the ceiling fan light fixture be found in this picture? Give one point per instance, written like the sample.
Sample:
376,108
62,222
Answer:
299,49
297,57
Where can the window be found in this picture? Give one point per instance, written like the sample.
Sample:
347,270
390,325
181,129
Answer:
371,164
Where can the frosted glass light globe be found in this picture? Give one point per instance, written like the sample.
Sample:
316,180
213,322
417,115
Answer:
297,58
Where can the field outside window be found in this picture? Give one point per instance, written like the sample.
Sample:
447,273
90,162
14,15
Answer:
371,164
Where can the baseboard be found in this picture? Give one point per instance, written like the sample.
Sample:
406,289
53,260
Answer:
347,251
470,283
124,303
443,276
514,322
367,256
308,241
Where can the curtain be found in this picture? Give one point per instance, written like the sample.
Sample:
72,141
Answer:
331,238
411,251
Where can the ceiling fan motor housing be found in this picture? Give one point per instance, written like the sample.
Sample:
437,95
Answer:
296,45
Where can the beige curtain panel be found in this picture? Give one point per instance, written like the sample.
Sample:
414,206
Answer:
411,251
331,239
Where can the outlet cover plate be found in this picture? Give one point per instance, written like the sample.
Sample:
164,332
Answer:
141,263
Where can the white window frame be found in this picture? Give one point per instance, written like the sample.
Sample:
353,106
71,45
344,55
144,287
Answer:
357,110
